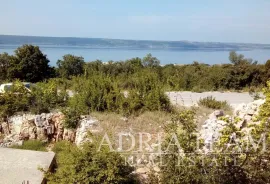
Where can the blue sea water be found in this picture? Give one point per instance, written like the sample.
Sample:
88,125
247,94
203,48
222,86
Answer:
165,56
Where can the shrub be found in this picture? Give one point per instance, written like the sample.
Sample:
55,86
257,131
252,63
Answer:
88,165
102,93
212,103
72,117
42,98
46,96
182,125
15,100
34,145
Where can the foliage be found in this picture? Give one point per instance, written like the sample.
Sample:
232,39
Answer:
88,165
181,171
14,100
72,117
34,145
4,66
212,103
265,108
70,66
102,93
242,73
41,98
150,61
29,64
46,96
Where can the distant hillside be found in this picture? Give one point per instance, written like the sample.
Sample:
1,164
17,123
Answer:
127,44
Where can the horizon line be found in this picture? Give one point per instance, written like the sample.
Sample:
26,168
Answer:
135,39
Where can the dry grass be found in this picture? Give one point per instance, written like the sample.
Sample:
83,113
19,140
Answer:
148,122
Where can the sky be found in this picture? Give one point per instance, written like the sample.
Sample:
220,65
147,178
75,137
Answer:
242,21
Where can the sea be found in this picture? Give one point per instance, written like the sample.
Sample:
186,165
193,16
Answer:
55,53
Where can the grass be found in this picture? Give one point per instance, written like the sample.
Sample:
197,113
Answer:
34,145
147,122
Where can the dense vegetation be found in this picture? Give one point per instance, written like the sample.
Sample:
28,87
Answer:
232,158
131,87
31,65
126,87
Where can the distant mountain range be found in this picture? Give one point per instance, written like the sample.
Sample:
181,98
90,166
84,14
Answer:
127,44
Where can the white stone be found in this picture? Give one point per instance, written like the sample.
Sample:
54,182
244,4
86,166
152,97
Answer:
84,127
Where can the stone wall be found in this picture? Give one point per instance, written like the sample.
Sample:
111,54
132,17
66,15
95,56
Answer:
45,127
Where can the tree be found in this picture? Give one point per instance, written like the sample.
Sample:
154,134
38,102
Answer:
150,61
239,59
4,65
29,64
70,66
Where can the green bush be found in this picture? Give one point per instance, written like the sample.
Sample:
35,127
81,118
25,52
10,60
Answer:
212,103
42,98
47,96
72,117
17,99
102,93
88,165
34,145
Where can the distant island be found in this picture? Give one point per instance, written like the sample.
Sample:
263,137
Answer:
100,43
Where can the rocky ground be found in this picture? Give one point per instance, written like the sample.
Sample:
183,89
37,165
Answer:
187,98
245,113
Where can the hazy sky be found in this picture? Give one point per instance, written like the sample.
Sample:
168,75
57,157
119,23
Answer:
193,20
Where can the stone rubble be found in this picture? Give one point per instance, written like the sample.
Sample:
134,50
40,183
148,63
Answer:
246,113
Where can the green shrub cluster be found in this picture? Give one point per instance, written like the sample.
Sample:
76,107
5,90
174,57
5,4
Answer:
15,100
41,98
88,165
212,103
102,93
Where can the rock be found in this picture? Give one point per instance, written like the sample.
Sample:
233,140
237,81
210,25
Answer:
85,125
69,135
156,169
251,112
5,128
259,102
59,126
212,116
219,113
124,119
248,118
222,123
239,108
143,170
28,130
211,128
41,133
